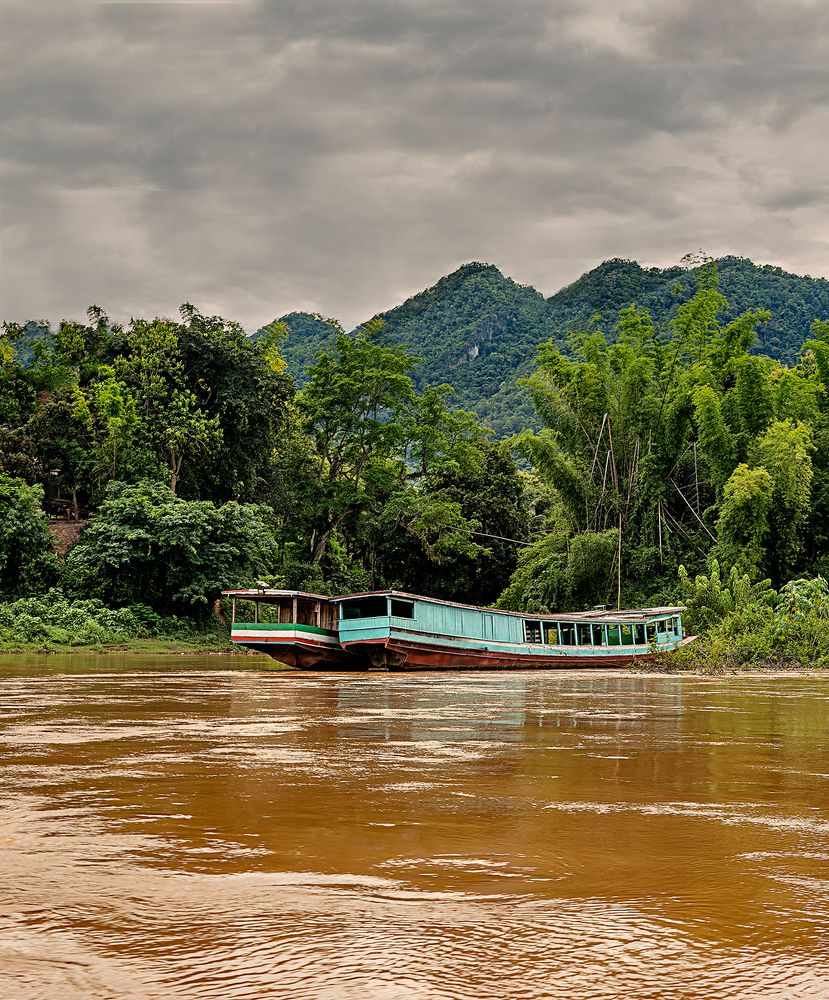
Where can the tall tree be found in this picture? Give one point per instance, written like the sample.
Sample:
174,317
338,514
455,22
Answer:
355,407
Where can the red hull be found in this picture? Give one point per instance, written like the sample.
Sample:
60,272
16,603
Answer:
310,656
397,654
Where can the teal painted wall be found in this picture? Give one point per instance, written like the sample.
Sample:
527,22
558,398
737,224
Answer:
444,620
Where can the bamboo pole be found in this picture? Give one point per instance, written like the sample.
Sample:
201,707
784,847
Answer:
660,529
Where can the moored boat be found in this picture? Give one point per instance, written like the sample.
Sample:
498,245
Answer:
296,628
402,631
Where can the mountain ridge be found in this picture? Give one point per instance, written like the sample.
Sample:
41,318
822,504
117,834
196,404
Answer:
478,329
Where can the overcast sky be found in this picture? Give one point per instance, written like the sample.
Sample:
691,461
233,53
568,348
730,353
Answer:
260,156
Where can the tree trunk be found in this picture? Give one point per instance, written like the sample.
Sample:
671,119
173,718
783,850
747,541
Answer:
175,468
318,550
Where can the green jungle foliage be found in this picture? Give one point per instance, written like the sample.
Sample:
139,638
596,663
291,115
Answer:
479,330
195,465
743,623
689,446
27,562
660,453
148,546
54,621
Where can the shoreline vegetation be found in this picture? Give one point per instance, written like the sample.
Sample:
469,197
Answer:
145,467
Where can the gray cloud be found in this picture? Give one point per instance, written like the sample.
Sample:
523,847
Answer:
257,157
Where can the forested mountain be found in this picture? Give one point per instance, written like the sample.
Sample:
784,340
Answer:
794,301
475,329
308,334
478,330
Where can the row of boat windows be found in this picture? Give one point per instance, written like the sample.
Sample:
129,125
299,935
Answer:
593,634
377,607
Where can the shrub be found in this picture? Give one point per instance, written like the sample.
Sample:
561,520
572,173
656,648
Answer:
739,626
150,547
54,620
709,599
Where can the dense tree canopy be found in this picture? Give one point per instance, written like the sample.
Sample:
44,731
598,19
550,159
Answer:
658,453
148,546
197,464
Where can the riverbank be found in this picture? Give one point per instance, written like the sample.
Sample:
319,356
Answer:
219,646
732,670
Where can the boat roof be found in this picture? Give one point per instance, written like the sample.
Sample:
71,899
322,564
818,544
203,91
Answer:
603,615
253,592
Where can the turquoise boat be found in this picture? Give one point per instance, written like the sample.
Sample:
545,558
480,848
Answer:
401,631
393,630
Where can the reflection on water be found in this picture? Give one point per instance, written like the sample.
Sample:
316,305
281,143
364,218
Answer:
209,834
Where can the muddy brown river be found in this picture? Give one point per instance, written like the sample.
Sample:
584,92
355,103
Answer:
192,832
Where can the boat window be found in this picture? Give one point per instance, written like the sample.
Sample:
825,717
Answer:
244,611
627,635
365,607
583,631
402,609
568,633
598,635
532,631
550,633
613,638
263,613
651,633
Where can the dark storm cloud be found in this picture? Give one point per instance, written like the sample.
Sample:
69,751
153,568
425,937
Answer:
338,155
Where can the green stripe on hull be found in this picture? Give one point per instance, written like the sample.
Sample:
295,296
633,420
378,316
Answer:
282,627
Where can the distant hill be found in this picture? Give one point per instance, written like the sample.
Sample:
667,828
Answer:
34,333
478,330
309,335
794,301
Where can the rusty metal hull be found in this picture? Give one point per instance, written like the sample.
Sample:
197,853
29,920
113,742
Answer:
399,654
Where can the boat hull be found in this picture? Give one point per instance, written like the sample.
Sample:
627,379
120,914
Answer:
300,646
303,656
401,654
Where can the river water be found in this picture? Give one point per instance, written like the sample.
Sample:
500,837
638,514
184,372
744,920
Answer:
202,833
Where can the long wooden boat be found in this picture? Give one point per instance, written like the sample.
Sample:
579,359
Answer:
393,630
406,632
294,627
